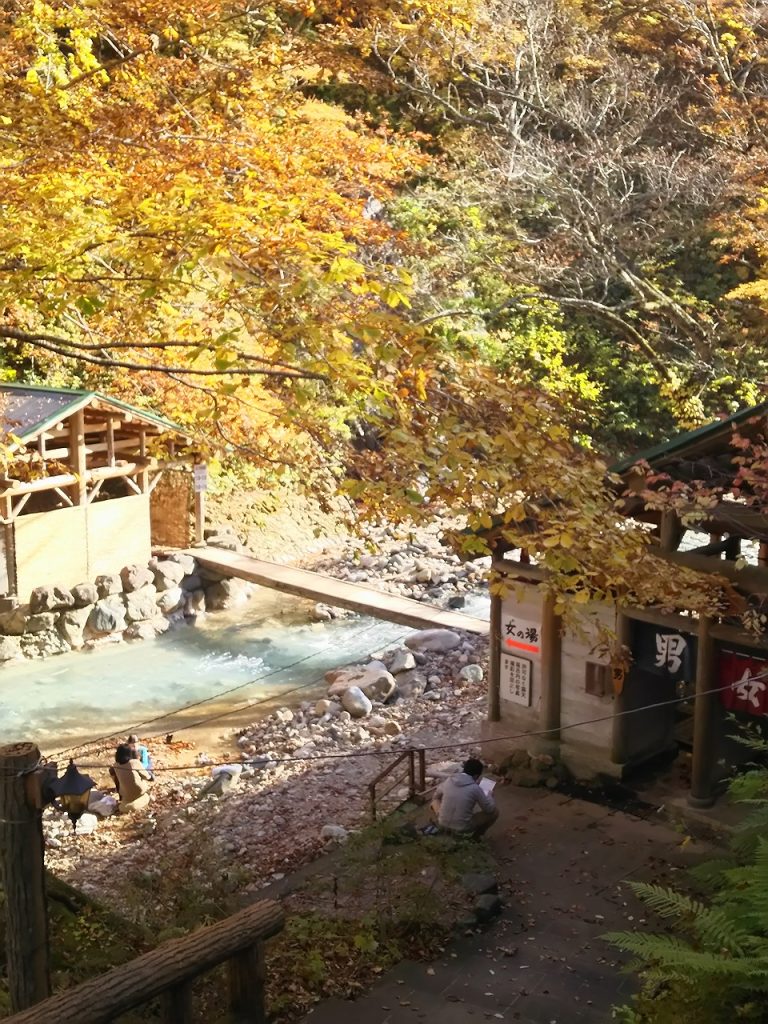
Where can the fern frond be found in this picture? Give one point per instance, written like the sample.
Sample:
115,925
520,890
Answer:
671,957
718,931
712,871
667,902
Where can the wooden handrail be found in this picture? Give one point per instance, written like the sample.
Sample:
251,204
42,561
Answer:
170,969
416,776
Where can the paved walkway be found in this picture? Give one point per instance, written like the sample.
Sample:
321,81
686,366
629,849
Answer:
339,593
562,863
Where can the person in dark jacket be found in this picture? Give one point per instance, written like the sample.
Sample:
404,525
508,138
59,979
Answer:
458,797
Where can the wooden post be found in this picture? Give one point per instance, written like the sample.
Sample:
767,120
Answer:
494,661
705,705
551,670
23,879
199,516
670,531
762,555
77,456
622,723
247,975
144,473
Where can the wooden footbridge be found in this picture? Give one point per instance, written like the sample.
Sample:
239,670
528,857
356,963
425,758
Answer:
317,587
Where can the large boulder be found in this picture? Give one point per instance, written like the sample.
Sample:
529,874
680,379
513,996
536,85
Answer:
433,640
40,622
107,616
50,599
411,684
141,604
71,625
356,703
109,583
144,630
187,562
10,648
374,679
135,577
168,574
85,594
44,645
192,582
228,593
402,661
170,600
14,623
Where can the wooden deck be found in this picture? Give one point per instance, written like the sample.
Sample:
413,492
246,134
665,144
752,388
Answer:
317,587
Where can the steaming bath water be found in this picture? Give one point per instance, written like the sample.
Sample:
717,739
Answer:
265,648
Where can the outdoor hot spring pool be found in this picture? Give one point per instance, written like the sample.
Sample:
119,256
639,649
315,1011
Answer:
264,649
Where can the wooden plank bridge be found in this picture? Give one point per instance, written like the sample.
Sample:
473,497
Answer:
317,587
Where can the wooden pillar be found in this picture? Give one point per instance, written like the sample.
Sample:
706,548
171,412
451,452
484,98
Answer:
670,531
199,516
762,555
551,670
622,723
494,661
705,705
77,456
110,441
143,474
23,879
733,548
247,976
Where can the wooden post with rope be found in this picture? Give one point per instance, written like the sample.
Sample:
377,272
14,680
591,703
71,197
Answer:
22,875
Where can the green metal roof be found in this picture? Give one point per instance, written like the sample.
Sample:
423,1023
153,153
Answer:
31,408
680,442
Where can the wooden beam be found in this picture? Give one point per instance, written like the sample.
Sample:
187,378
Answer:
110,442
63,495
494,665
93,493
19,506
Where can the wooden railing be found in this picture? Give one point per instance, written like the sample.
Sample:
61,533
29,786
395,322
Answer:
415,773
170,970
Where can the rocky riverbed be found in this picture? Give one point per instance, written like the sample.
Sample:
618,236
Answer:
299,780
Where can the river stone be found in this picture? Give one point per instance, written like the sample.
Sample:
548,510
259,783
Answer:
141,604
170,600
168,574
486,907
135,577
84,594
50,599
187,562
355,702
228,593
402,661
40,622
382,688
71,625
109,583
44,645
323,706
340,679
411,684
107,616
194,603
10,648
471,674
457,601
192,582
161,624
479,884
14,623
433,640
143,630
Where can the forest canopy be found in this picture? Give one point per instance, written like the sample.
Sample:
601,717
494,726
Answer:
428,254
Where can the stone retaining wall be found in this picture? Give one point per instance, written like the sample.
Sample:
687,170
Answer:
139,602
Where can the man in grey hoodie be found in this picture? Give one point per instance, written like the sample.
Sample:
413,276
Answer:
456,799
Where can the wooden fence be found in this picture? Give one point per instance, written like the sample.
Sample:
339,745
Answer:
170,970
415,775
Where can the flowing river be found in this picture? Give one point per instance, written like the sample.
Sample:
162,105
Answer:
223,663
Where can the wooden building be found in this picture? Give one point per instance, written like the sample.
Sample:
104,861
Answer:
88,485
547,679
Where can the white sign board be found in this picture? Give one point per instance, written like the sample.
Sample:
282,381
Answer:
520,635
201,477
516,680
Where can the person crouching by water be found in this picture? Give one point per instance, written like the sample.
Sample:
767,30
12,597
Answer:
141,753
456,798
132,780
